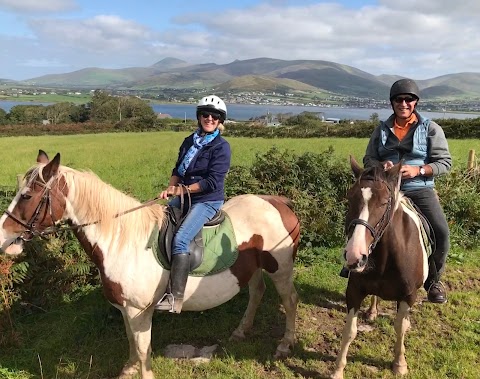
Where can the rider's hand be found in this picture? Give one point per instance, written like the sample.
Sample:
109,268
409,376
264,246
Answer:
387,165
409,172
170,191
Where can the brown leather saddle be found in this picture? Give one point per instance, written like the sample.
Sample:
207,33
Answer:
173,220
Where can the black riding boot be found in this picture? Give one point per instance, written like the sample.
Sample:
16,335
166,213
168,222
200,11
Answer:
173,301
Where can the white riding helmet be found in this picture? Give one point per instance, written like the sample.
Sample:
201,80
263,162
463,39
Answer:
212,103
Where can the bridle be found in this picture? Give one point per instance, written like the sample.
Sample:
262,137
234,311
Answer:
31,226
377,230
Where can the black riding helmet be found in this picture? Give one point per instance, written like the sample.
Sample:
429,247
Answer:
404,86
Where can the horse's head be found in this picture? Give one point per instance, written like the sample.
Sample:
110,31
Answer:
371,202
37,206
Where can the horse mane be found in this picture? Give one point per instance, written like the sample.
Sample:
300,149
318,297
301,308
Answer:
97,202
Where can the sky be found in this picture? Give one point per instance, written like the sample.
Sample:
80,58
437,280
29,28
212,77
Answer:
420,39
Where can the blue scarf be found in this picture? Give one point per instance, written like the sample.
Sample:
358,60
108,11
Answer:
198,142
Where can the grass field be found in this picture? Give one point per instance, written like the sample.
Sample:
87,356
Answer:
140,163
84,338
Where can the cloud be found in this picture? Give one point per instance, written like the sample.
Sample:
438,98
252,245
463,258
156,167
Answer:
102,34
37,6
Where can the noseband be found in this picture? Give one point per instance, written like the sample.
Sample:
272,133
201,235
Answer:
377,230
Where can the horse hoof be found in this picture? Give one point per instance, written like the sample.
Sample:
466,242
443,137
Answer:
237,336
337,375
399,369
282,352
128,371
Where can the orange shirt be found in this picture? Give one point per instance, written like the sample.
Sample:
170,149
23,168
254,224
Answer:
402,130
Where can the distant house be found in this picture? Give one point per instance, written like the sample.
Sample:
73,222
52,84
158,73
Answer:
274,122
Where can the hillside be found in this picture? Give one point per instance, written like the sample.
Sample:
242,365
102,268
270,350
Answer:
260,74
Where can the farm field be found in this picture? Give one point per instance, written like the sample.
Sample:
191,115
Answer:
84,338
140,163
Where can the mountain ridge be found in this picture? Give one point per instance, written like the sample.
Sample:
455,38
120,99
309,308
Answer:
259,74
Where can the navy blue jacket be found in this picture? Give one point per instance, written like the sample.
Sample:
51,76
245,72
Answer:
208,168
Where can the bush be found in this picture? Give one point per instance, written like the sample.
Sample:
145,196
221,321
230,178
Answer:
316,183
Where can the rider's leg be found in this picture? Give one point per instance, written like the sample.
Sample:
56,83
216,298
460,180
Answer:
198,215
427,201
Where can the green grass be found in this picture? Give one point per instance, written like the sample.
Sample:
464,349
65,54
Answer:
50,98
140,163
84,338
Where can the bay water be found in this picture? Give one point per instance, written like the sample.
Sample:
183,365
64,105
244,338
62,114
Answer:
242,112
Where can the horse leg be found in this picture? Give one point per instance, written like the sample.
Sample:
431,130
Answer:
140,324
289,297
348,335
256,289
372,311
132,366
402,323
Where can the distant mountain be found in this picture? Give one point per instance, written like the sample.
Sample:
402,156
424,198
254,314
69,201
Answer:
169,64
260,74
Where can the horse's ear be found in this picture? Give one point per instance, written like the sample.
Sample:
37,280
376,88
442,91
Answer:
51,168
394,172
357,170
42,157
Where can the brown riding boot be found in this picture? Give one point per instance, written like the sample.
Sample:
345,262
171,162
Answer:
436,293
173,301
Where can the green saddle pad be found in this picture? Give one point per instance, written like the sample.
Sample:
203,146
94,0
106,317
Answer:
220,249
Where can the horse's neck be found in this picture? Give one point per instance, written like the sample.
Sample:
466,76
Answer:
106,209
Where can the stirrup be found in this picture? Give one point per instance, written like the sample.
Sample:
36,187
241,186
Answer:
166,303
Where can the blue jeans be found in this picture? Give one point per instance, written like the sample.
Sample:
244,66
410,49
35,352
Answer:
199,214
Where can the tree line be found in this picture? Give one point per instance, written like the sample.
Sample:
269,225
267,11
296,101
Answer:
102,108
107,113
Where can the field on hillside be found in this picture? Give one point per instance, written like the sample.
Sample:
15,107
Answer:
84,337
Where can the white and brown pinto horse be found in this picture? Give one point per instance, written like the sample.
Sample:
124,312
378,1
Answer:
266,230
385,253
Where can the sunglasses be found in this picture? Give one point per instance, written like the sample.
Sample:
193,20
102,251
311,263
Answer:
401,99
215,116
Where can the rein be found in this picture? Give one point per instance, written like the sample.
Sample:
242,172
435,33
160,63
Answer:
378,230
31,227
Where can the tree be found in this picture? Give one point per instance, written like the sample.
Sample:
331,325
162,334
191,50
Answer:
59,113
3,117
374,117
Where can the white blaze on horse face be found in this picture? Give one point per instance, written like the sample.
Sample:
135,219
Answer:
8,239
357,244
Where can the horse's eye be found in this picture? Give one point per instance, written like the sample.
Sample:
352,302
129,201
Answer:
25,196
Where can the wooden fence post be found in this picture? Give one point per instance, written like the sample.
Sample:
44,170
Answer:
471,160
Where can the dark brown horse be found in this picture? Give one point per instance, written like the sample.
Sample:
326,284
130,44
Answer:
385,253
